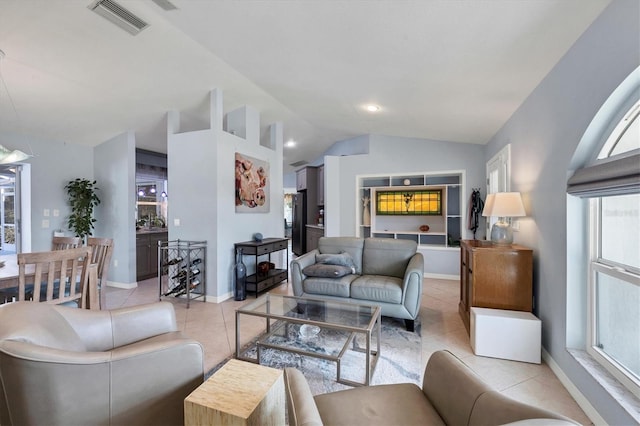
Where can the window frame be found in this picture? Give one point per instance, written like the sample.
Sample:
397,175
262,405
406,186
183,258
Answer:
599,265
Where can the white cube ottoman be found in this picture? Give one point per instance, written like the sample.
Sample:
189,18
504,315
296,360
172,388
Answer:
513,335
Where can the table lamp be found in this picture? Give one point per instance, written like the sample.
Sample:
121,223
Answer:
504,205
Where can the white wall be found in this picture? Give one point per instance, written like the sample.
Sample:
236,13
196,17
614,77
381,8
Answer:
115,169
202,193
544,135
390,155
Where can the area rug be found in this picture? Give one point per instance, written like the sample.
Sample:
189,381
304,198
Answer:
400,359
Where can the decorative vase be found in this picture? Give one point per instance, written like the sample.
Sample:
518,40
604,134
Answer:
240,290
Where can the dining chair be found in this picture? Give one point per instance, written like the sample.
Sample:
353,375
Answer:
63,243
58,277
101,255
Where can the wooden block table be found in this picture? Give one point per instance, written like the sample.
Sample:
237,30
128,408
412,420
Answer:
240,393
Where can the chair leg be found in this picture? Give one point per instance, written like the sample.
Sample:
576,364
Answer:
410,324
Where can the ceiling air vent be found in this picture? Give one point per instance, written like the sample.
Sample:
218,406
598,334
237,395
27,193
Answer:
165,4
299,163
118,15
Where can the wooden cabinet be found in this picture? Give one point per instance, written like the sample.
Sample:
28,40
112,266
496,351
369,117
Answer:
301,179
147,254
494,277
258,281
307,180
313,235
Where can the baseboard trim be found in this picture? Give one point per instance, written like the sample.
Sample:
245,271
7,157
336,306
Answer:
219,299
126,286
573,390
442,276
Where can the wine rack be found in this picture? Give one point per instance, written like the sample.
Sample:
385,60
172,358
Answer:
182,269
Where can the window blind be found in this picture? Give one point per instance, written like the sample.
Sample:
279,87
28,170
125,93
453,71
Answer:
616,177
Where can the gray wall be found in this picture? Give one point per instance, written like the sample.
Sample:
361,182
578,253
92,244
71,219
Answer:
114,168
389,155
544,134
54,164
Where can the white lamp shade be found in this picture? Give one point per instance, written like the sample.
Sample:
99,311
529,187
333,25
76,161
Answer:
488,206
506,204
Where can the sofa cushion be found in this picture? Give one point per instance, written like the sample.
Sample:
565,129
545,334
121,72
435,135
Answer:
377,288
337,245
326,271
399,404
384,256
329,286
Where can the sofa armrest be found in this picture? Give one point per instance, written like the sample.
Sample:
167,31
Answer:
297,265
412,284
301,405
445,375
140,322
493,408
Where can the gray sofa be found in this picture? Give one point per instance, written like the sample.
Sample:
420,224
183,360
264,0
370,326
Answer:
68,366
384,271
451,394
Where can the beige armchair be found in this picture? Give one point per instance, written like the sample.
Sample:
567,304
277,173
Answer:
451,394
60,365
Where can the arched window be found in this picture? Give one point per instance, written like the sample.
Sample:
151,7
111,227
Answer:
612,185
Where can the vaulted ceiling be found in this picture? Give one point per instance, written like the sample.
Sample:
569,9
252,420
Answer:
452,70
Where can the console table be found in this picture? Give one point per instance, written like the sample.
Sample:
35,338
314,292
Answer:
493,276
258,282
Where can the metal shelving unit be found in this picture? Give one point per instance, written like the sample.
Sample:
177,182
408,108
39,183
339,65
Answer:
182,269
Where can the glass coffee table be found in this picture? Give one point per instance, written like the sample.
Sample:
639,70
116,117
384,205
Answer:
314,327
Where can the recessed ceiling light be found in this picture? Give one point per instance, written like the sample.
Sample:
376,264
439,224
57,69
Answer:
372,108
290,144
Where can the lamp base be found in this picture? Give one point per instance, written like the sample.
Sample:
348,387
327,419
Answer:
502,233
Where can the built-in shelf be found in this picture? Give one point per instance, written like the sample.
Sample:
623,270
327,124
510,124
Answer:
445,230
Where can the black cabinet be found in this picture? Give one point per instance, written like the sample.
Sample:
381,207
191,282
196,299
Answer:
321,185
314,233
264,280
147,253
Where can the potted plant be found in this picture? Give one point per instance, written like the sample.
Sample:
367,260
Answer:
82,199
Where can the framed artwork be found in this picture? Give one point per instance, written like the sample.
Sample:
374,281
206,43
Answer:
252,185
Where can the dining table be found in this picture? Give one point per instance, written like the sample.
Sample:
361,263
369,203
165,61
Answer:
10,272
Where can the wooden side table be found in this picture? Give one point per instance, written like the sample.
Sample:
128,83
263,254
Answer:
240,393
496,277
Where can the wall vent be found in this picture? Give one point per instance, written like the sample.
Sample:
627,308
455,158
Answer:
299,163
118,15
165,4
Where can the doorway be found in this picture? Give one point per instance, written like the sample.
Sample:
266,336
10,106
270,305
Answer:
498,177
9,209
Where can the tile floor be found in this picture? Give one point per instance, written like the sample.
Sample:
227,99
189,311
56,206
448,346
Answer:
214,326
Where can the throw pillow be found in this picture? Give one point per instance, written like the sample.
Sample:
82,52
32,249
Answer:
323,270
343,259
